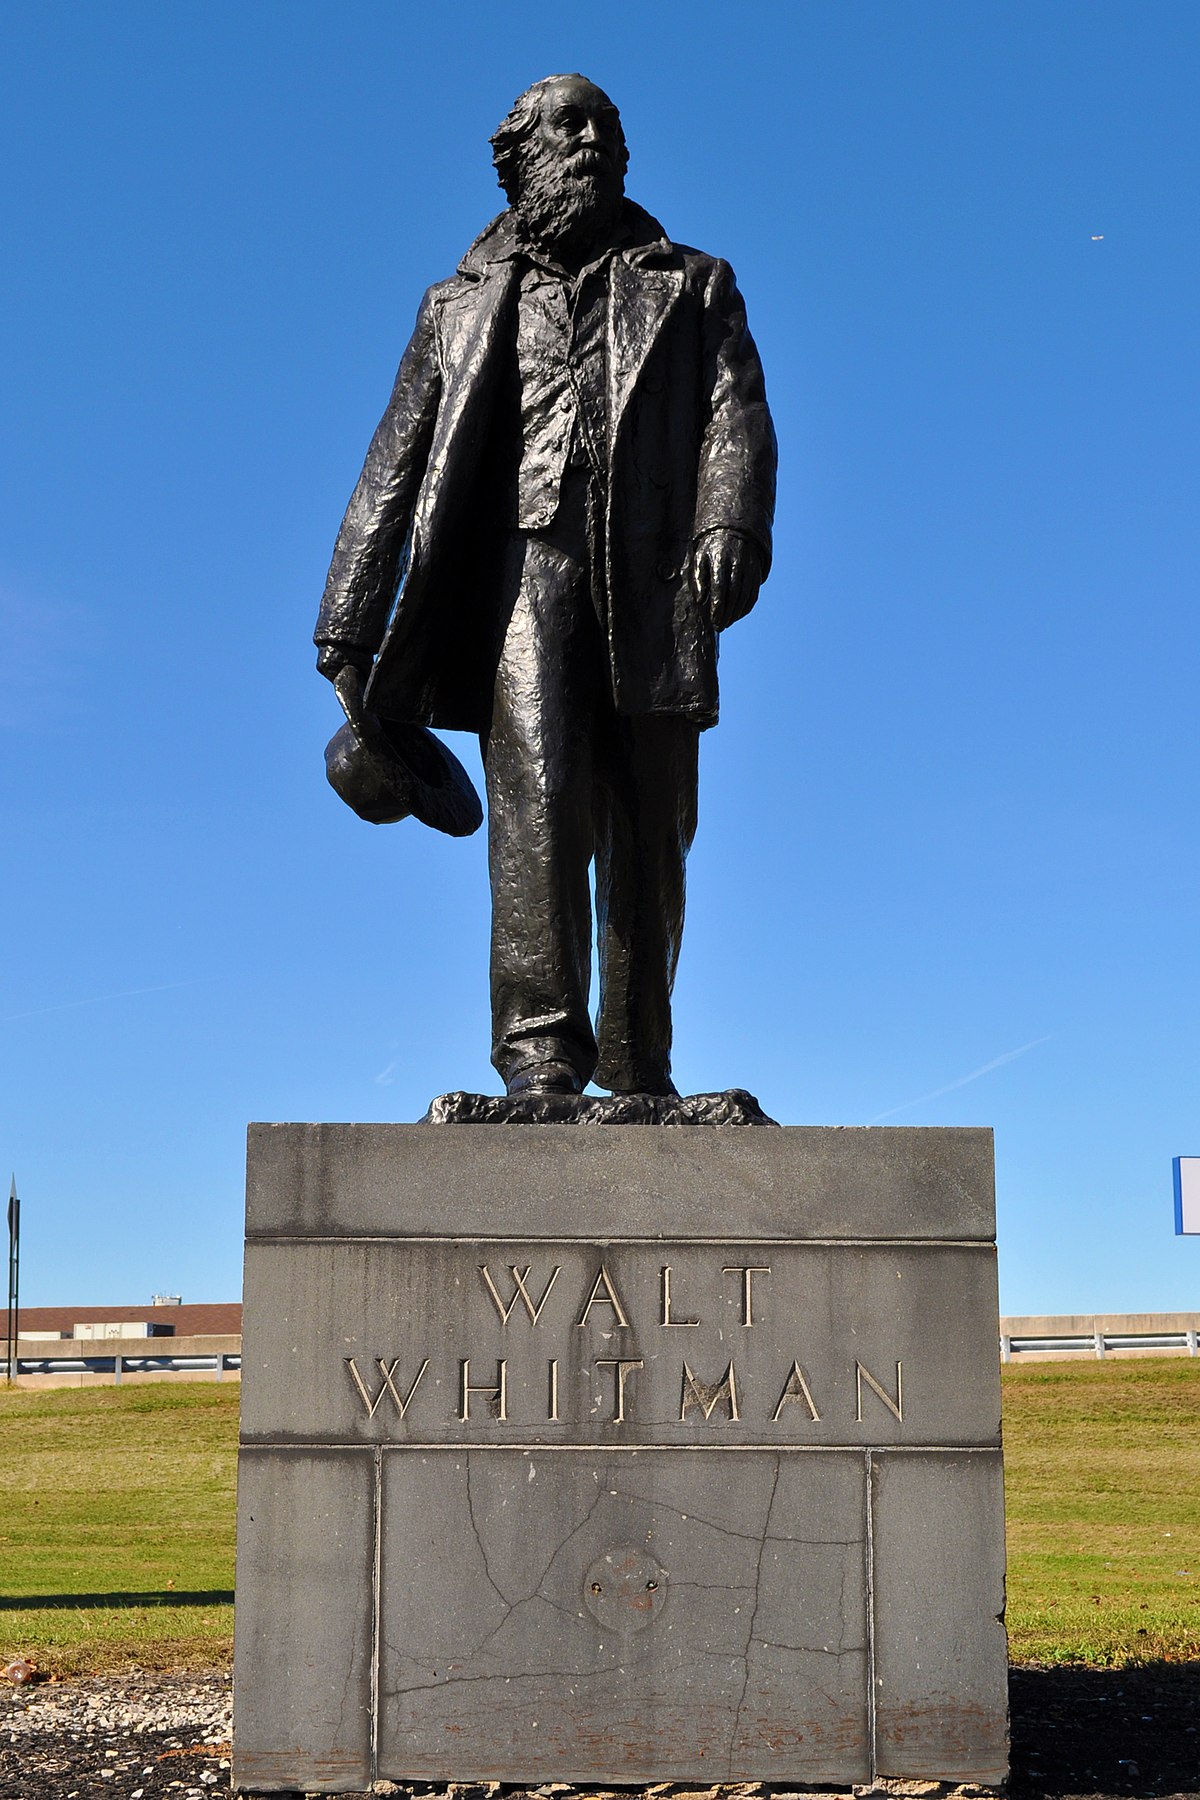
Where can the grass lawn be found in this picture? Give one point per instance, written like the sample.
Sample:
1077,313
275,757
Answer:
116,1536
117,1525
1102,1472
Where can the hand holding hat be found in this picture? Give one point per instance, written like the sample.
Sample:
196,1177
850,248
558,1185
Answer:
384,770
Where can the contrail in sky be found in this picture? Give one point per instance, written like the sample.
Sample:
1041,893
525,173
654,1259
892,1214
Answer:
97,999
986,1069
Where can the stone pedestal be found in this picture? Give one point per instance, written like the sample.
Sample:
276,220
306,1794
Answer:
619,1455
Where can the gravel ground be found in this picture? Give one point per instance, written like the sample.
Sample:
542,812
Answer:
125,1738
1078,1734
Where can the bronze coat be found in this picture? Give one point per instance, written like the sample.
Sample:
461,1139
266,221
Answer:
691,447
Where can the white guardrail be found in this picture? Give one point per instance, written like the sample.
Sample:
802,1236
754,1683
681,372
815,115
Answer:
67,1361
117,1365
1099,1335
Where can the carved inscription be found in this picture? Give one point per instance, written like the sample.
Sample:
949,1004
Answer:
497,1397
667,1318
623,1365
721,1397
709,1395
747,1271
520,1292
387,1385
603,1294
895,1407
643,1386
796,1388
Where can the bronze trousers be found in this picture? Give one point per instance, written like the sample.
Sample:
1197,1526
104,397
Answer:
571,781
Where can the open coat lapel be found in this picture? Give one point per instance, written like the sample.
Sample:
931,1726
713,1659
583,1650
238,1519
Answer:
641,299
470,321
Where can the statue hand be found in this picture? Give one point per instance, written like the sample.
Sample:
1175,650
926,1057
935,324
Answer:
725,573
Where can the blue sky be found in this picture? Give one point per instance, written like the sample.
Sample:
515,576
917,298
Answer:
947,869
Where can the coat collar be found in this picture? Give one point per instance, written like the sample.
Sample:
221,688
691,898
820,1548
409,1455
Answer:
645,242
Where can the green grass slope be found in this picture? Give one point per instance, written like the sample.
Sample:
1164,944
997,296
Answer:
117,1527
1102,1475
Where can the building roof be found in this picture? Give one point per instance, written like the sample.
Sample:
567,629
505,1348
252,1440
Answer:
218,1319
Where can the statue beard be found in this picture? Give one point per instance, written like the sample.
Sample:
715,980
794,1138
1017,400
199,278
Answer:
568,207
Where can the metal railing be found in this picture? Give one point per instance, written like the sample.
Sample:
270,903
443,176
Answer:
1098,1343
217,1364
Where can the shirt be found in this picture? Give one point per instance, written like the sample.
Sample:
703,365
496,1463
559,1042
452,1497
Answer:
562,379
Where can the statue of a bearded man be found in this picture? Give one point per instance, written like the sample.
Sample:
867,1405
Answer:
569,496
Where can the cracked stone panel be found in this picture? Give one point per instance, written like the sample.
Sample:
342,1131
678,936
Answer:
302,1667
808,1630
627,1619
941,1655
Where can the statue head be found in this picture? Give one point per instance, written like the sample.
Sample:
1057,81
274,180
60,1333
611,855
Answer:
560,157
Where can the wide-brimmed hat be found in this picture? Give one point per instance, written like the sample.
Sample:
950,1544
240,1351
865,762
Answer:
386,771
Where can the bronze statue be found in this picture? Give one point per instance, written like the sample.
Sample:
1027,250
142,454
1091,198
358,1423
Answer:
569,496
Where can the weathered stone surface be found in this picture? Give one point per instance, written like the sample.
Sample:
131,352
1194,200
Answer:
303,1659
618,1457
941,1654
733,1107
760,1639
834,1309
886,1182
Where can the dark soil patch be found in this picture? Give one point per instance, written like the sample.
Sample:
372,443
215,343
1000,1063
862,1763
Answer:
52,1767
1105,1732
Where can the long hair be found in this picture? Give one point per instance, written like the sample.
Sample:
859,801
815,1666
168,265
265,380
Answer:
510,136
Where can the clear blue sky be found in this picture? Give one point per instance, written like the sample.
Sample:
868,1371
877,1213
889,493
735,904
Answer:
948,865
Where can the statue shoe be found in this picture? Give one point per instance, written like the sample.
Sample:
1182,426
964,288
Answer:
544,1078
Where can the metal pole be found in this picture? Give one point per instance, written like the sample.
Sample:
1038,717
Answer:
13,1322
